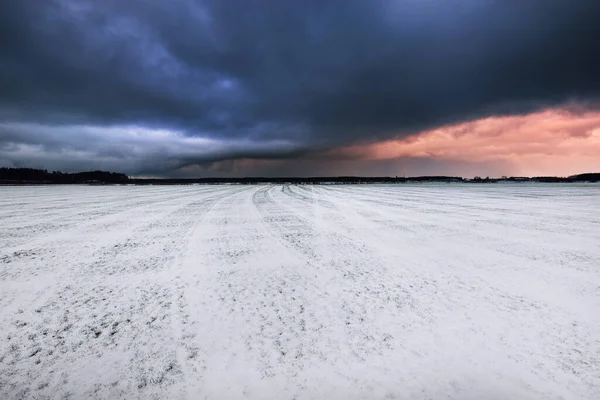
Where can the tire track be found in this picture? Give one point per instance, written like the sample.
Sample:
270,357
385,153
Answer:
114,322
357,274
257,299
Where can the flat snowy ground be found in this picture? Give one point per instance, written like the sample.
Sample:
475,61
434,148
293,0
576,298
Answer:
280,292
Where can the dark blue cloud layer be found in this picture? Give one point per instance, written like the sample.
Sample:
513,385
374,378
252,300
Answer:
314,73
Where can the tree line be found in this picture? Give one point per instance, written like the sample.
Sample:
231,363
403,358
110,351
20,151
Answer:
40,176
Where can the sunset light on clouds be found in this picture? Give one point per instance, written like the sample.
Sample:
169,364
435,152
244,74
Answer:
550,142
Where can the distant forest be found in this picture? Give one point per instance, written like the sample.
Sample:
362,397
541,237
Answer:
40,176
29,176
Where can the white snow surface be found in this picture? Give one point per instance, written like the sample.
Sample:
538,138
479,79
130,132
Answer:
429,291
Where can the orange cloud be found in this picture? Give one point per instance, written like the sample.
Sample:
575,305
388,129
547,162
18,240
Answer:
550,142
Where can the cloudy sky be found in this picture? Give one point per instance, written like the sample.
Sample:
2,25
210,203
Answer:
280,88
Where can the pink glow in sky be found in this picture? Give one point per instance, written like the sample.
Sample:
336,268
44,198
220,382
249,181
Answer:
550,142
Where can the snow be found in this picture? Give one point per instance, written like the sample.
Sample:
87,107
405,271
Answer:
437,291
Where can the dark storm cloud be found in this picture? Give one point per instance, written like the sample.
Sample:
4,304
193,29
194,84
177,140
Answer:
314,74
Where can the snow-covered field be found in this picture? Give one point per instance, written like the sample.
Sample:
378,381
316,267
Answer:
307,292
